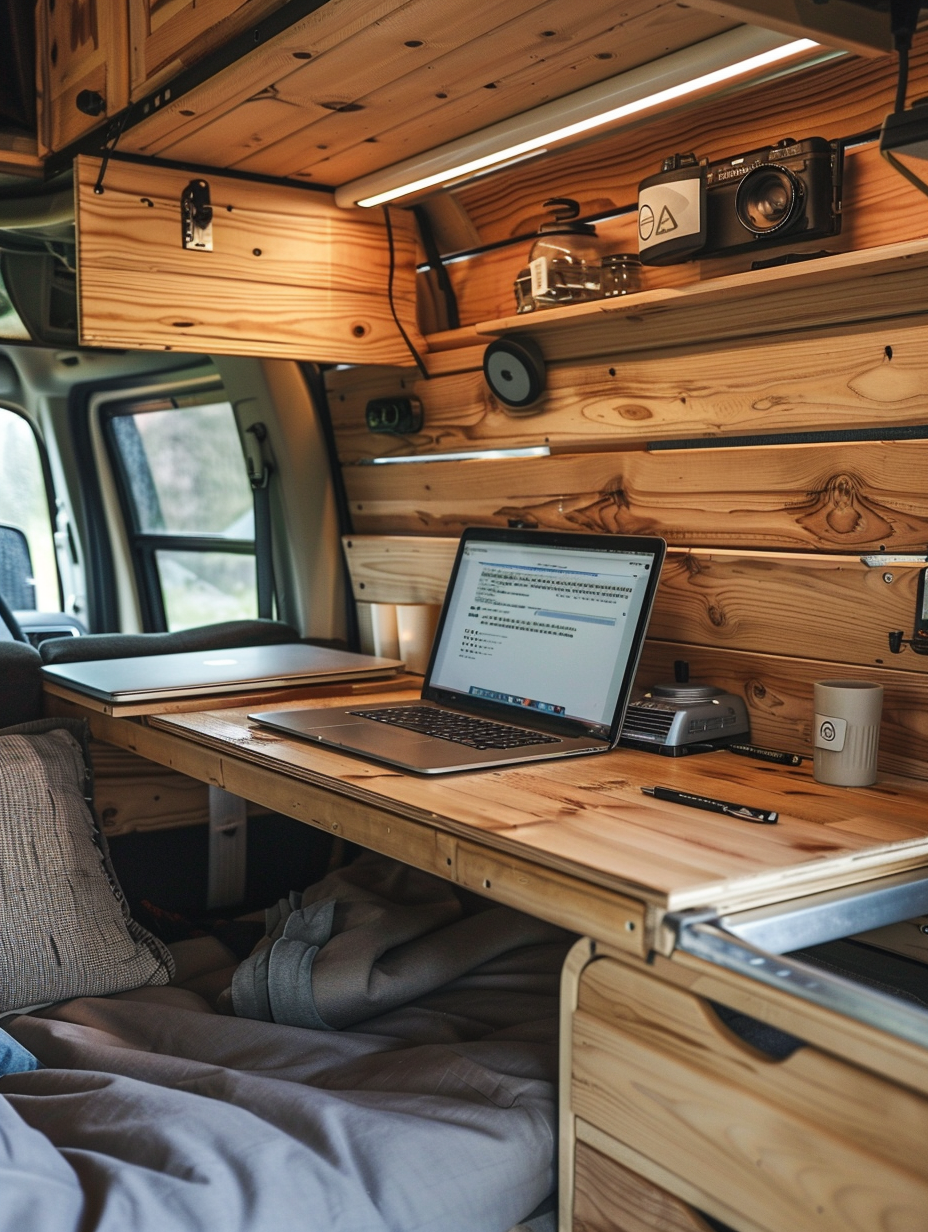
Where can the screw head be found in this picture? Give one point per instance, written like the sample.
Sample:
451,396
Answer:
888,577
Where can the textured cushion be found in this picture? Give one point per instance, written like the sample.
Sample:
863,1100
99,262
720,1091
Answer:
65,928
225,636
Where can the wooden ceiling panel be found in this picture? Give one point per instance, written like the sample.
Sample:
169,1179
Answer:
354,88
307,39
310,96
520,80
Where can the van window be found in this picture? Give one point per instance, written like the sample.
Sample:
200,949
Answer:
188,507
28,570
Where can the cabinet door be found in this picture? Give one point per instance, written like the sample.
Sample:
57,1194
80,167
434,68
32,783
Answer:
170,35
290,274
82,45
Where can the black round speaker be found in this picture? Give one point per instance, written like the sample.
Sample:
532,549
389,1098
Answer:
515,372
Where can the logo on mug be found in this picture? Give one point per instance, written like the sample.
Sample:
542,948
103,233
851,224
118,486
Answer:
830,732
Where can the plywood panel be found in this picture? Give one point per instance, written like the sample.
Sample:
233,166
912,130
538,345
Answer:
289,275
842,497
867,377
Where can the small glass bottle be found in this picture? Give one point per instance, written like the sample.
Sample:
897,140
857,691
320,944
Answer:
565,260
523,290
621,274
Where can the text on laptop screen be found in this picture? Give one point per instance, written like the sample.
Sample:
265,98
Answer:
547,628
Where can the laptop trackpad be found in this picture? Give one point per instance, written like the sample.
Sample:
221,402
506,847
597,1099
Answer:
361,735
378,737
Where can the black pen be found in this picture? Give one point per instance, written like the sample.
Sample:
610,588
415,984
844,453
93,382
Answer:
763,817
774,755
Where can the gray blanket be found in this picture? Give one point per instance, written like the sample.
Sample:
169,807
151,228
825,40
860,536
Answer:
157,1113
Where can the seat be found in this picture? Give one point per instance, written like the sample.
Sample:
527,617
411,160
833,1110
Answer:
21,691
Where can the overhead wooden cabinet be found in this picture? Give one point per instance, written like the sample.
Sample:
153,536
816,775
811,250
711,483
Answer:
290,275
170,35
83,71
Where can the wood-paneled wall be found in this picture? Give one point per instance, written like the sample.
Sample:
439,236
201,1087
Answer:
764,590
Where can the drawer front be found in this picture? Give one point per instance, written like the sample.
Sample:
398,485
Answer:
808,1142
611,1198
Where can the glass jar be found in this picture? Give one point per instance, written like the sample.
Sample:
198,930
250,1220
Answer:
566,259
621,274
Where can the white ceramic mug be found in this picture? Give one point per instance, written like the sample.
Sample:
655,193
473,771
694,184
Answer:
846,734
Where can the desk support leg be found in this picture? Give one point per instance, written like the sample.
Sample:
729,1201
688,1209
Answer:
577,959
228,836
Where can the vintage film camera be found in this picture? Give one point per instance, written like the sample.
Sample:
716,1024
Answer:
775,195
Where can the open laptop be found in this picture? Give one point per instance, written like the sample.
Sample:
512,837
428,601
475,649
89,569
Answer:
534,657
194,673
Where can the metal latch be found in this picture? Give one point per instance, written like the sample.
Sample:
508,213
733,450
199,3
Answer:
196,216
758,944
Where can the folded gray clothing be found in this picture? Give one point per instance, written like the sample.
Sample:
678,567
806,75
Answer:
369,938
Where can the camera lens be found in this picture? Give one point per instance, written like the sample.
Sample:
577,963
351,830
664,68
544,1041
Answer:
768,199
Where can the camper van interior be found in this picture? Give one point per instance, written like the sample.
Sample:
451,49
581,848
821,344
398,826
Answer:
293,294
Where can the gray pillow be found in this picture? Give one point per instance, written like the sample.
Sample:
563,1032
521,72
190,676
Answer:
65,927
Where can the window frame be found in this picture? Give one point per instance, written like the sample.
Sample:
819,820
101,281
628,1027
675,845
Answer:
143,545
51,498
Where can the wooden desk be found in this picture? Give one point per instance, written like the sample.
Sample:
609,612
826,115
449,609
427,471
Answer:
664,1113
572,841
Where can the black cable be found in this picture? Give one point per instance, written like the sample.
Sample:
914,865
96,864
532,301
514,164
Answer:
399,325
903,20
109,147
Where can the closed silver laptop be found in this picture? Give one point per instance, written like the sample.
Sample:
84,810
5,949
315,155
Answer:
202,672
534,658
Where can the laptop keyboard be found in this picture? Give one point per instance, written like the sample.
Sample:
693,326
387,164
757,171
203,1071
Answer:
458,728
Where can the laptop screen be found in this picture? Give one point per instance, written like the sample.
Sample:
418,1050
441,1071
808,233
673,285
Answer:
544,627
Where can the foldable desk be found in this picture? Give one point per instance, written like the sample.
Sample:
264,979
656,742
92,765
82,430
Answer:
664,1108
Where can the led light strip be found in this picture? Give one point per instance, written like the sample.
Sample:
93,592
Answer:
744,50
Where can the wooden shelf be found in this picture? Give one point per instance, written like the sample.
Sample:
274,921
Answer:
869,285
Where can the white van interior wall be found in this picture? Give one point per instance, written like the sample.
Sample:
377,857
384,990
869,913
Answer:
47,378
307,548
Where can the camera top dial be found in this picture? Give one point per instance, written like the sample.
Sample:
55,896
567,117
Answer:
769,199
